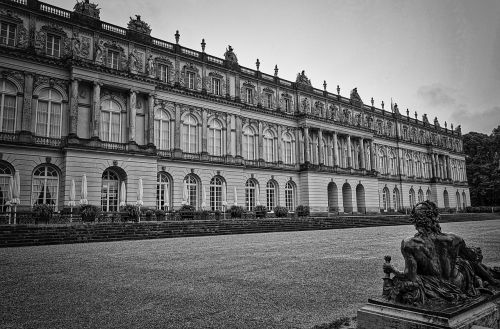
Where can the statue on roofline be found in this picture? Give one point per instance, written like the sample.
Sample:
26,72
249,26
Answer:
230,56
139,25
87,8
440,268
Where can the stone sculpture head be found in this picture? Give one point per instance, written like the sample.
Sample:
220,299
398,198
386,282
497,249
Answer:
425,217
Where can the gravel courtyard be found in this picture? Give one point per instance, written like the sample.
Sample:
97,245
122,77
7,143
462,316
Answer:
274,280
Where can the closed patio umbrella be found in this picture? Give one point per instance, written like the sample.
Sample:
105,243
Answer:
166,203
257,196
140,193
204,202
235,197
72,196
224,195
9,194
184,193
16,192
123,194
83,191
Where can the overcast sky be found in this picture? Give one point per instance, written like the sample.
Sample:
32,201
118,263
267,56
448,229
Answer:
436,57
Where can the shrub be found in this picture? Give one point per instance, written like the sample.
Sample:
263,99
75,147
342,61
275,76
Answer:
302,211
187,208
217,214
202,215
132,211
89,212
260,211
280,211
236,211
43,212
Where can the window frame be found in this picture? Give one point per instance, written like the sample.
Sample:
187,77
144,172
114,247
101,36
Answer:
271,195
6,37
50,51
111,112
108,202
186,133
3,94
216,86
50,113
163,183
46,178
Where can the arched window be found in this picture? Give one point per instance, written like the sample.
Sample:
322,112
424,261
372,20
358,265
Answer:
386,201
6,173
216,185
411,195
290,196
383,162
428,195
193,189
45,188
162,129
249,144
8,101
392,163
420,195
269,146
163,191
396,199
446,199
271,193
289,148
458,203
110,190
215,138
409,165
251,188
313,150
326,157
111,121
340,154
464,200
49,114
190,134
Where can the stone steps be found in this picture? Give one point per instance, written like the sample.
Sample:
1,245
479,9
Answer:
29,235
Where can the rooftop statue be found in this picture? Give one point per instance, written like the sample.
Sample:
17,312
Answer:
440,269
87,8
230,56
355,98
138,25
302,79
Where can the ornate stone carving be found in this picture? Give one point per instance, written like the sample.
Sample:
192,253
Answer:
134,61
319,108
436,122
41,39
138,25
150,66
81,45
99,51
183,78
218,75
86,8
16,75
441,270
21,31
305,105
45,80
355,99
302,80
230,56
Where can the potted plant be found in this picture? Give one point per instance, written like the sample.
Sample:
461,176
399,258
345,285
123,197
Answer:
89,212
302,211
42,213
132,211
260,211
236,211
160,214
280,211
187,212
149,214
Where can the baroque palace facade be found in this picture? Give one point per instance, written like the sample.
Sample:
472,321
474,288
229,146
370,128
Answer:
83,97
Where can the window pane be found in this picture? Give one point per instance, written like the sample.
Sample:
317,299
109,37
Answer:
115,127
42,118
55,120
8,112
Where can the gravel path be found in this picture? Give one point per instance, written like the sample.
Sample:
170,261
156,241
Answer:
273,280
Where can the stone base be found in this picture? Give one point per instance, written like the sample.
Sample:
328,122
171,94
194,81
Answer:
380,314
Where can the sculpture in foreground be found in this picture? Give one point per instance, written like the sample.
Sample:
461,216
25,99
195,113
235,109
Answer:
439,267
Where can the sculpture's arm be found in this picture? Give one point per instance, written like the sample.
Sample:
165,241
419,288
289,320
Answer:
410,262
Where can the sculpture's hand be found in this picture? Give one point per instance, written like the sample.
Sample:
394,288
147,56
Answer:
388,268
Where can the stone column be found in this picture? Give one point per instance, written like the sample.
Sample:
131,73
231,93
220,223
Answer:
204,131
132,114
448,168
177,135
362,150
228,135
27,102
349,156
335,149
279,145
297,146
372,157
321,155
96,109
433,166
306,145
73,111
151,119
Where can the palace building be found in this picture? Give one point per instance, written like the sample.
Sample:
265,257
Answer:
79,96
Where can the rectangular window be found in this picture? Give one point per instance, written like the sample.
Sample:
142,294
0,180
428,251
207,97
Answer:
53,45
163,72
249,96
7,34
216,86
287,105
113,59
269,100
190,76
8,113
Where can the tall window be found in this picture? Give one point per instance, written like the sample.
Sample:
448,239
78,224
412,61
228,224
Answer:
287,104
111,121
446,199
163,72
290,196
249,144
162,129
396,199
216,86
193,190
48,114
269,146
269,100
386,202
392,163
428,195
110,189
45,188
271,193
249,96
113,59
216,193
420,196
289,148
326,157
215,138
250,194
190,134
163,191
191,80
383,162
5,175
7,106
7,34
313,150
411,196
53,45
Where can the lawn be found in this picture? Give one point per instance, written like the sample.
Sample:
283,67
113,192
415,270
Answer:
273,280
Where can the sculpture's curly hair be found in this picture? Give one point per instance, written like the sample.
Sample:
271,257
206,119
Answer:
425,215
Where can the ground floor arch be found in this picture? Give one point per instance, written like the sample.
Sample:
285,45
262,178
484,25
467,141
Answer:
333,197
347,197
360,198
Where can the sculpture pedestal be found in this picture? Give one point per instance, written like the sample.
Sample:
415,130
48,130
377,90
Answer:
381,314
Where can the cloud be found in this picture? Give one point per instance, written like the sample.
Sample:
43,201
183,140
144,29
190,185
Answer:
479,121
436,95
